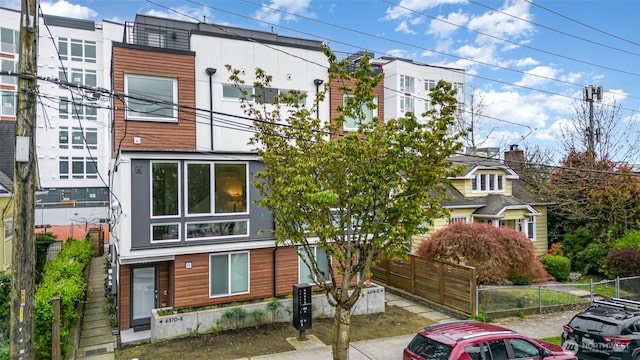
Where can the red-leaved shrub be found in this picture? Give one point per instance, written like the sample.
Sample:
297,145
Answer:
496,253
623,262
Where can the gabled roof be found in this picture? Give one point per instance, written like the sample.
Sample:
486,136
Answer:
471,164
6,184
498,204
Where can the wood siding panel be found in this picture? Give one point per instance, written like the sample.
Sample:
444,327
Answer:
154,135
192,285
124,297
336,99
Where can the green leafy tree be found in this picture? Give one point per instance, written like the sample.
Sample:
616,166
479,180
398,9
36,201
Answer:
353,195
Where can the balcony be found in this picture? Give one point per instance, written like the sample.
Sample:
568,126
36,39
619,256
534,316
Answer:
156,36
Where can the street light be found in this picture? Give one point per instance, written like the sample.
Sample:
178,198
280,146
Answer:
317,83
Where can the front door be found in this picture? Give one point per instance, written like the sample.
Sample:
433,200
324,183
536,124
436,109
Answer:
144,294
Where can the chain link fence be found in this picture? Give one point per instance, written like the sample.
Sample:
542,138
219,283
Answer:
506,301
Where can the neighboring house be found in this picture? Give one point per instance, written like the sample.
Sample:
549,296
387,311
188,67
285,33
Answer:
72,129
407,85
337,98
490,191
6,217
186,230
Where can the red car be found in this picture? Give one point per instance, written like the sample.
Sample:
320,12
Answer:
474,340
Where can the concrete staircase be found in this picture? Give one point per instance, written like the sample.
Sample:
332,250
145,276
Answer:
96,340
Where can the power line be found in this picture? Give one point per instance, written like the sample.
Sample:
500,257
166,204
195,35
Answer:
583,24
360,32
554,30
515,43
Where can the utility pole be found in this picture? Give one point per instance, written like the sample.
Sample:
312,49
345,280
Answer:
24,185
591,93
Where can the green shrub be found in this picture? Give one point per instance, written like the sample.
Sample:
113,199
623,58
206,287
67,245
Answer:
557,266
623,262
630,240
64,277
5,312
43,241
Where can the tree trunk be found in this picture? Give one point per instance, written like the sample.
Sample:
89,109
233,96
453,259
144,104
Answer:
341,324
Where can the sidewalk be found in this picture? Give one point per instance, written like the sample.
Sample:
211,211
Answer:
536,326
96,340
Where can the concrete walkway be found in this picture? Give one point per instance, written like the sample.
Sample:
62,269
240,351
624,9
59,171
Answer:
96,340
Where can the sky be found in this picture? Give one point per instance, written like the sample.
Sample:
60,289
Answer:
527,60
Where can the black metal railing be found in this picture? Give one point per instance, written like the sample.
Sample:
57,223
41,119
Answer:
156,36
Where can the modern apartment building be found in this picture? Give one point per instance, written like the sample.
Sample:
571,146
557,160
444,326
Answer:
407,85
72,129
186,230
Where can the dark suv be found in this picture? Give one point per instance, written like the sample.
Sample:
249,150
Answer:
473,340
605,330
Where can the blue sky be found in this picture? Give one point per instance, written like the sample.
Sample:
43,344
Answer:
527,59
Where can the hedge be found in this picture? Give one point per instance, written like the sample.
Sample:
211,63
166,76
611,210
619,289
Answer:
64,276
557,266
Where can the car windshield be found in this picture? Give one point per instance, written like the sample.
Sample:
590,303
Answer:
594,326
429,349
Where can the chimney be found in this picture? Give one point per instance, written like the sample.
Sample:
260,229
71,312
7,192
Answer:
514,158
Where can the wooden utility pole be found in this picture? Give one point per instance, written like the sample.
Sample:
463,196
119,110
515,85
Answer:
24,185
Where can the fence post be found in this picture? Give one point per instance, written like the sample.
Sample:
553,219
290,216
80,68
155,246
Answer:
617,286
539,299
476,311
591,289
55,330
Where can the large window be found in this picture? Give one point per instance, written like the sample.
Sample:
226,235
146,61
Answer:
81,50
9,65
351,123
228,274
8,106
63,167
305,275
165,185
151,98
8,229
407,84
407,104
215,229
9,40
228,190
162,233
528,226
429,85
487,183
83,168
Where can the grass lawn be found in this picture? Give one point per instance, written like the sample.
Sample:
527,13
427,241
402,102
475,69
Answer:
512,298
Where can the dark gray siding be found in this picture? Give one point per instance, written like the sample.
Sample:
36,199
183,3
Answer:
259,217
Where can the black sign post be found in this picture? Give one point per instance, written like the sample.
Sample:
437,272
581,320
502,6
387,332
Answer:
302,309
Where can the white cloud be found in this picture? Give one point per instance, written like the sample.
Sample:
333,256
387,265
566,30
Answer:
67,9
408,7
502,26
278,10
185,13
513,107
526,62
403,54
573,78
552,132
443,27
537,76
10,4
404,28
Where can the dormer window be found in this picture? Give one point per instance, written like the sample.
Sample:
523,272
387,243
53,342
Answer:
487,183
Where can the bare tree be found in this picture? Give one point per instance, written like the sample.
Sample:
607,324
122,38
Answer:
615,139
472,122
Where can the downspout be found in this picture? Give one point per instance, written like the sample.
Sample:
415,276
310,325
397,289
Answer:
210,72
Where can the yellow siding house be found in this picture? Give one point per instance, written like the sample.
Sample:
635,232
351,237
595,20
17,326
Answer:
6,218
490,191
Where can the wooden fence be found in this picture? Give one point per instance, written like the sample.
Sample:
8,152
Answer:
447,284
